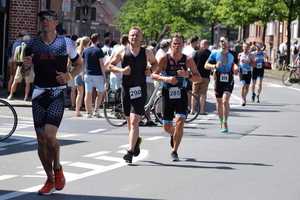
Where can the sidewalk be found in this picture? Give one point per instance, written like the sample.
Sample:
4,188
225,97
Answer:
20,102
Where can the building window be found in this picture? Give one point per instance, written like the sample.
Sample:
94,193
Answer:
270,28
252,30
295,30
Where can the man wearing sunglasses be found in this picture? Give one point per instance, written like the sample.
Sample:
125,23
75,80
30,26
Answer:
224,62
261,58
49,54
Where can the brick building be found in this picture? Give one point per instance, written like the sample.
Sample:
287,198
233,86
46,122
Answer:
17,15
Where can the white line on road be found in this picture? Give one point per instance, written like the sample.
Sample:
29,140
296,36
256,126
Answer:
3,177
97,130
96,154
67,136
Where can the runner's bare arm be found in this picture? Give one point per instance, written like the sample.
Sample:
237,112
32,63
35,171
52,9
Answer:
118,57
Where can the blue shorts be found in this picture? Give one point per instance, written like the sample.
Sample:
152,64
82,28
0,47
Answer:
93,81
78,80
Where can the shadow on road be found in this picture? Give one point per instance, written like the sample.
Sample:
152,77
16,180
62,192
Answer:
58,196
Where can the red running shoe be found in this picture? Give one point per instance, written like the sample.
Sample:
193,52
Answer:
59,179
47,189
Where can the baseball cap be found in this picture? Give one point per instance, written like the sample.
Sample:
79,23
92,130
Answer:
47,11
22,33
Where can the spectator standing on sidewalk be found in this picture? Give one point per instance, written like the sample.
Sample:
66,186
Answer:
11,63
94,75
49,53
200,89
22,72
79,80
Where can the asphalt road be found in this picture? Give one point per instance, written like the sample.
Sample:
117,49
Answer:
257,159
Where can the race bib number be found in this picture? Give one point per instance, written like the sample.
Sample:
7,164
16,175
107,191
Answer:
244,71
259,65
135,92
174,93
224,77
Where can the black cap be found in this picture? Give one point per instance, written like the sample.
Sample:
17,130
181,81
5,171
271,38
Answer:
47,11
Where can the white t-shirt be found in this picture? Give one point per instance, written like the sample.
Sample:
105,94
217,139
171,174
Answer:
282,47
189,51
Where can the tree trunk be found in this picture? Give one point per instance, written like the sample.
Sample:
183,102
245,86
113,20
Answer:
288,52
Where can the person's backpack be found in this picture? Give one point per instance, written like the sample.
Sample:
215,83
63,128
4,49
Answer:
20,54
296,51
8,50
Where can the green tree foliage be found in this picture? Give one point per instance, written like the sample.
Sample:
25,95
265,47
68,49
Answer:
183,16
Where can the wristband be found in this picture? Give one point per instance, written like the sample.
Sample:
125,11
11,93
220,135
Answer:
122,71
165,79
70,75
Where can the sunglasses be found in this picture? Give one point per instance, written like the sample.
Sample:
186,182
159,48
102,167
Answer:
223,41
48,18
260,46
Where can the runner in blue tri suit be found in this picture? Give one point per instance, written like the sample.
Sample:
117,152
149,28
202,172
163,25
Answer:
174,76
261,58
246,61
225,63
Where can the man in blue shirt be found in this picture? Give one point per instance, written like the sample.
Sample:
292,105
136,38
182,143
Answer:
93,73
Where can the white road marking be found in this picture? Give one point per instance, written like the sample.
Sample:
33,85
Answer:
3,177
109,158
67,136
96,154
96,131
86,165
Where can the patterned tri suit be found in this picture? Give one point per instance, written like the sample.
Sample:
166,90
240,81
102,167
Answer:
224,81
258,70
48,97
174,97
134,91
245,69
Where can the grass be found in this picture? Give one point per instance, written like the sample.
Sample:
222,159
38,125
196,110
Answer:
274,71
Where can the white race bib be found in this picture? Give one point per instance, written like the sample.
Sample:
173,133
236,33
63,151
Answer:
224,77
259,65
244,71
135,92
174,93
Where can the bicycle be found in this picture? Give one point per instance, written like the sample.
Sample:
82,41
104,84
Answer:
290,77
8,120
114,114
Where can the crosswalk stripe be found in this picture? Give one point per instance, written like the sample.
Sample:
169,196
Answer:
3,177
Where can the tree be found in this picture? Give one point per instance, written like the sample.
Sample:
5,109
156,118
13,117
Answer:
183,16
243,12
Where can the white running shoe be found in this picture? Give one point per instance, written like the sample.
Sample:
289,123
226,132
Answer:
88,115
96,114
